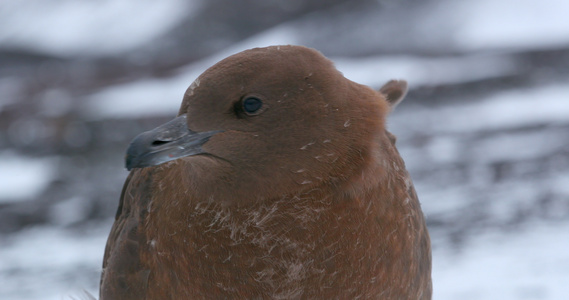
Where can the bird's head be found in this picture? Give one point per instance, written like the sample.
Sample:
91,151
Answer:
278,114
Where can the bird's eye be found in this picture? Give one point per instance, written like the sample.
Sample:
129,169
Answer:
252,105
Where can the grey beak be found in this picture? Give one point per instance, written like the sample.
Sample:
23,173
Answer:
164,143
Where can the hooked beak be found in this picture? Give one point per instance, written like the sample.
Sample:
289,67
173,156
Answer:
164,143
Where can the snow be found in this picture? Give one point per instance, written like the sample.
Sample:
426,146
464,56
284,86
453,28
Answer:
22,178
420,71
441,26
35,263
516,147
528,24
546,104
138,99
497,204
69,27
529,263
163,96
278,35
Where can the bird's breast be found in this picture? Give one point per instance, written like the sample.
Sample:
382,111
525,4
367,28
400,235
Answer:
310,244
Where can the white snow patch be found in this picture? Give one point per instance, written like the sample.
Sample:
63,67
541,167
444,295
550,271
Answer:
437,201
508,109
163,96
48,247
23,177
51,263
509,23
377,70
148,97
70,27
153,97
444,149
69,211
548,104
530,264
560,185
516,147
279,35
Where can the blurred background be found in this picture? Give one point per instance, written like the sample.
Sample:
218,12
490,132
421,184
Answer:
484,129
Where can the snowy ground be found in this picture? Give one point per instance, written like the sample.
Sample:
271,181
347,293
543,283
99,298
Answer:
483,132
529,263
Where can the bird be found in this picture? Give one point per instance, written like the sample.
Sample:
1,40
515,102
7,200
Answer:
277,179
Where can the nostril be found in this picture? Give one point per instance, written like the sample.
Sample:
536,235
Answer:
159,143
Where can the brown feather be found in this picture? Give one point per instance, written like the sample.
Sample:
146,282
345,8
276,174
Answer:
309,199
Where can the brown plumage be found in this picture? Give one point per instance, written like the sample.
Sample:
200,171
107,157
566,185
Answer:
277,180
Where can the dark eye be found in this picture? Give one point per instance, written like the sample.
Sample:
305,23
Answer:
252,105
